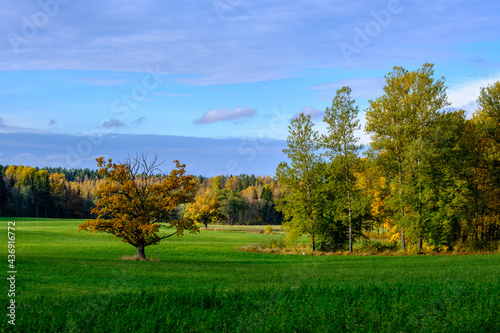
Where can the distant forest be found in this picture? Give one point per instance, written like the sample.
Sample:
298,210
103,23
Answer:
61,193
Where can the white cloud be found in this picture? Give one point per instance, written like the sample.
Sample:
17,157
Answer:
309,110
223,114
463,93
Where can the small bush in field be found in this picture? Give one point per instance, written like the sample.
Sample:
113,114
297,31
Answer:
268,230
273,243
255,231
378,247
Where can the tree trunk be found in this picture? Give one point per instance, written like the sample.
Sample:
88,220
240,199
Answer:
349,203
313,246
403,247
350,233
419,207
140,252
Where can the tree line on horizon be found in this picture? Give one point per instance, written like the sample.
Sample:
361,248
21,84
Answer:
61,193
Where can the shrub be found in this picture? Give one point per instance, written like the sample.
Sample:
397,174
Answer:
268,230
255,231
273,243
378,247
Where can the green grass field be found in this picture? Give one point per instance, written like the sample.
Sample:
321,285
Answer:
69,281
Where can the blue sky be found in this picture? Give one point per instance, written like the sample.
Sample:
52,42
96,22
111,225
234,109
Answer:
217,69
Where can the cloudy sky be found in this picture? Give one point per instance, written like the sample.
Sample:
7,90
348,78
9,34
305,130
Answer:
227,75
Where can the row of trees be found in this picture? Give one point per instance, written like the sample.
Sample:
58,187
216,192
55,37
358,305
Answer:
429,176
28,191
33,192
142,209
321,198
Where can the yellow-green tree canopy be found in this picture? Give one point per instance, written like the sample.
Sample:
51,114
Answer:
205,209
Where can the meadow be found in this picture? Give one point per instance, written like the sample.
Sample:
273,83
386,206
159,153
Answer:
69,281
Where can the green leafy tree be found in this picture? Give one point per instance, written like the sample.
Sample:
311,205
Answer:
411,102
488,122
217,183
302,179
485,225
444,179
235,207
341,142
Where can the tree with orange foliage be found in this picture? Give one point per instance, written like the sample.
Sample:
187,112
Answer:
134,206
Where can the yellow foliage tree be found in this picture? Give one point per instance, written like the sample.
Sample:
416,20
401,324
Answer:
205,209
133,205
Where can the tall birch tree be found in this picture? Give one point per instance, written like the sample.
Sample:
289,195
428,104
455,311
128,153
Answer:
301,179
341,142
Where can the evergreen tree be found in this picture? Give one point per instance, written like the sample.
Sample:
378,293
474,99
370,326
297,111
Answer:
266,193
3,192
